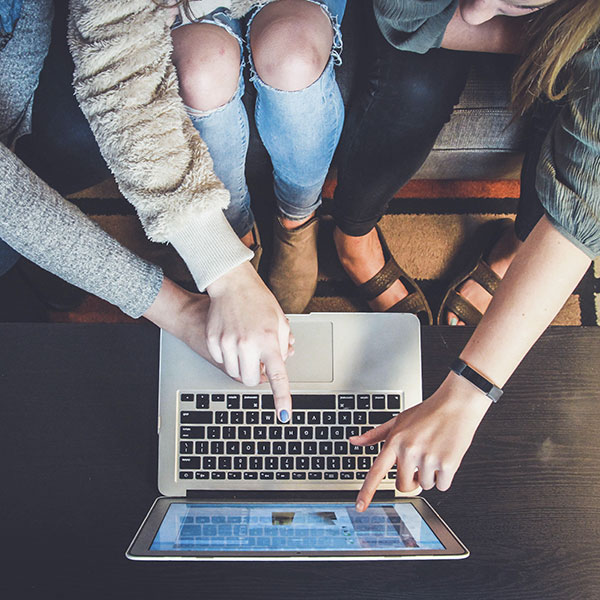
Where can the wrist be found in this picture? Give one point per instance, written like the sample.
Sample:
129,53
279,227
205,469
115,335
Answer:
464,396
234,278
168,306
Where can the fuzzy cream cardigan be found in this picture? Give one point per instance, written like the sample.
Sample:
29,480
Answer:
127,87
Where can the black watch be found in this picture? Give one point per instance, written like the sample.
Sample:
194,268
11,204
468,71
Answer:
460,367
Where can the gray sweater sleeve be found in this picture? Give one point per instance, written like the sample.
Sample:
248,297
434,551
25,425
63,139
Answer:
42,226
568,172
414,25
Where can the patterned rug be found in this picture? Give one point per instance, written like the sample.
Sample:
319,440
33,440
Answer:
426,225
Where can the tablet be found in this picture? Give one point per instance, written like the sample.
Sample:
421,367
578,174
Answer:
183,529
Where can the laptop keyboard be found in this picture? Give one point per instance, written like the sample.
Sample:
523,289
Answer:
237,437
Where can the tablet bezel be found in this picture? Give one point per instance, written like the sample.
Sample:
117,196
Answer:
139,548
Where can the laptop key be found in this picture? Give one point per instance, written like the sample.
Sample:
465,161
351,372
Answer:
250,401
187,397
267,475
213,433
321,433
264,447
272,463
250,475
341,447
279,448
186,475
286,463
346,402
209,463
255,463
267,417
333,463
302,463
349,463
298,418
189,462
232,448
252,417
192,433
214,398
374,449
314,418
359,418
313,475
297,475
260,433
325,447
350,431
275,433
362,475
306,433
282,475
295,447
186,447
240,463
234,475
328,418
344,475
236,417
201,447
317,463
345,418
229,433
248,447
393,401
202,475
354,450
224,463
217,475
196,417
290,433
217,448
233,401
378,401
376,418
305,401
310,447
337,433
363,402
330,475
202,401
221,417
244,433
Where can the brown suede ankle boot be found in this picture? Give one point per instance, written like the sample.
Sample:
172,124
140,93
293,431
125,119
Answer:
294,267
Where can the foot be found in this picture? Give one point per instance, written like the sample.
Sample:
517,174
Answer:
362,258
499,260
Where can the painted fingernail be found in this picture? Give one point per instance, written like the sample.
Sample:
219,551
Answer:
360,506
453,321
284,417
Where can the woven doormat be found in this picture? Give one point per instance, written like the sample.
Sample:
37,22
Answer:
426,226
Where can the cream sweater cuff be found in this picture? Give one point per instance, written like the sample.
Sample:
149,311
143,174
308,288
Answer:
209,247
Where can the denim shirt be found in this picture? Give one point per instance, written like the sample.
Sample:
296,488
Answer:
10,10
568,171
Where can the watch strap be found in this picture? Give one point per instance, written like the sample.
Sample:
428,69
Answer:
460,367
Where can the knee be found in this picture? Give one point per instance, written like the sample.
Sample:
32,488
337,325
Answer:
286,65
208,72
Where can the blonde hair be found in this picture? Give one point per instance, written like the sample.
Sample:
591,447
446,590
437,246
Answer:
555,35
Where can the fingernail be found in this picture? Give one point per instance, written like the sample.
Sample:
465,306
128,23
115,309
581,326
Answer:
360,506
284,417
453,321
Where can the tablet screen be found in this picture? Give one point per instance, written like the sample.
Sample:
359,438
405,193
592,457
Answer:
192,527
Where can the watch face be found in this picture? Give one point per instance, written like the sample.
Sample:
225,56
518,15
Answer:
479,381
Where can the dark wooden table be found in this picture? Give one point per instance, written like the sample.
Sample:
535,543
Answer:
78,454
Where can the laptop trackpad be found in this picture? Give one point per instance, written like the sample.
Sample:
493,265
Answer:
313,356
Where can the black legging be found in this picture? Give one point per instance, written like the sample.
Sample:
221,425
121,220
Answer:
404,102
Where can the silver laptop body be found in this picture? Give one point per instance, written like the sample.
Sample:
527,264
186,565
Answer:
356,358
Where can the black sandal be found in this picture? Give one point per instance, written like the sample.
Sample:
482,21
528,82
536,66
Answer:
415,302
479,271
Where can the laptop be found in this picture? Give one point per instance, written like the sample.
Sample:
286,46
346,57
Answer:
234,478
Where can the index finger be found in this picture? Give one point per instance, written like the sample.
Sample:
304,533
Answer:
280,385
378,471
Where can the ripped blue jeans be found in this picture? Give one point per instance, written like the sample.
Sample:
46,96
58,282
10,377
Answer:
299,129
